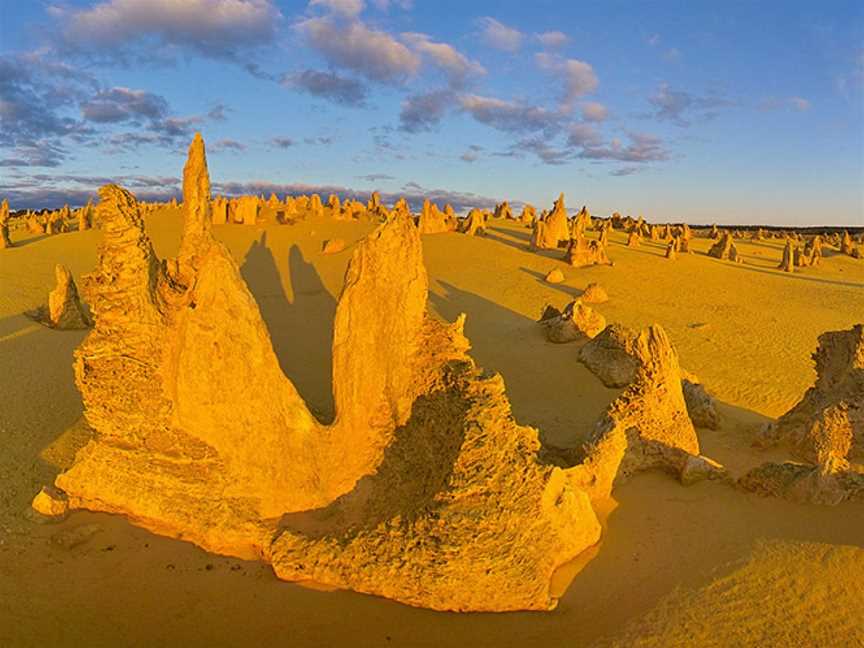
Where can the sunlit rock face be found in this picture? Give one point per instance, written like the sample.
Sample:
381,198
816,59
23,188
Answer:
423,489
825,428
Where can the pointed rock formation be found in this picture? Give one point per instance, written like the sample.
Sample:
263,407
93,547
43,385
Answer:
594,294
672,250
577,322
528,215
431,220
423,489
725,249
64,309
633,239
552,230
786,264
474,224
5,241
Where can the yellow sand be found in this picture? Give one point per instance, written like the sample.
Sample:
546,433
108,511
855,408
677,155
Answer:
703,565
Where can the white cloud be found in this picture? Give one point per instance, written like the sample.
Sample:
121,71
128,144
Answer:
455,64
215,27
578,76
594,111
347,8
553,39
499,35
374,54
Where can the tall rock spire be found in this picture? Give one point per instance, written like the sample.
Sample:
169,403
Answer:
196,196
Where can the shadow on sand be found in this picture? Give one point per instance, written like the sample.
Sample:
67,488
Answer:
301,329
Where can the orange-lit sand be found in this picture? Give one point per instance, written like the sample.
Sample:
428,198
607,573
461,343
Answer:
677,564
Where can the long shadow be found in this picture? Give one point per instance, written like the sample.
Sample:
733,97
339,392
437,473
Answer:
541,279
34,239
301,330
40,402
525,236
793,275
523,247
547,386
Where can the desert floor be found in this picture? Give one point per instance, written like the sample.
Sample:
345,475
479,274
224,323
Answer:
703,565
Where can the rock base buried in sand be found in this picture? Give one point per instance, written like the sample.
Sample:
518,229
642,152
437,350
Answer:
333,246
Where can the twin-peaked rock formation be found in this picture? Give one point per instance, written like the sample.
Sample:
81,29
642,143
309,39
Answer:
423,489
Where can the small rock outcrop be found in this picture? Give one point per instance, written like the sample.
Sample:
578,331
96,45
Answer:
582,252
576,323
554,276
474,224
826,429
333,246
64,309
724,248
611,356
646,427
594,294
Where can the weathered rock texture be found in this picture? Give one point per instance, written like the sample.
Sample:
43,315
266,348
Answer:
594,294
825,428
553,229
64,309
5,241
646,427
611,356
423,489
581,252
577,322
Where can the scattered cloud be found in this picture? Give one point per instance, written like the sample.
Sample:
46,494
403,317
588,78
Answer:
677,106
626,171
424,111
223,145
375,177
319,141
216,28
510,116
553,39
454,64
282,142
594,112
348,8
499,35
641,148
578,76
582,135
330,86
351,45
121,104
472,154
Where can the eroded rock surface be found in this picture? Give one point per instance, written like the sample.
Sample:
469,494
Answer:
423,489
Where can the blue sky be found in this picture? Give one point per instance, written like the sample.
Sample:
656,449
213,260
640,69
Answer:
734,112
